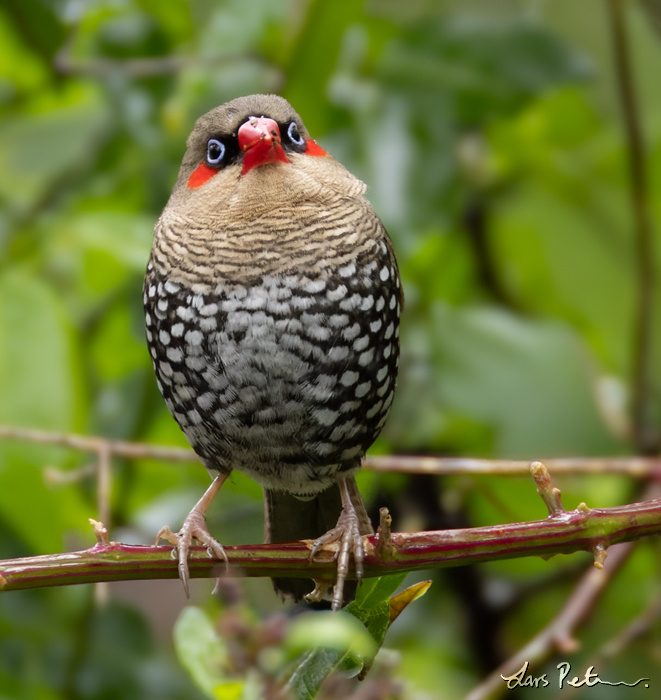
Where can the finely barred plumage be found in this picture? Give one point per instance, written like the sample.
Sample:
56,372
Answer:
272,305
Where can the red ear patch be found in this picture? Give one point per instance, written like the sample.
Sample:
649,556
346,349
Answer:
314,149
200,175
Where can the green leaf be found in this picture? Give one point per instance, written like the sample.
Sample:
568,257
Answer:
341,643
40,384
372,604
204,655
70,132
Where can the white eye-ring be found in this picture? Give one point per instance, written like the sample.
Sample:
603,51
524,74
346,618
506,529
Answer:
215,151
294,136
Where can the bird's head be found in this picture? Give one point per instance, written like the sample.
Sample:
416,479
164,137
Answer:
255,152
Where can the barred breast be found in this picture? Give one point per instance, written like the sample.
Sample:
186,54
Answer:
282,367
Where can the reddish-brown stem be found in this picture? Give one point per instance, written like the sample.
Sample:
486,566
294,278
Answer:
566,532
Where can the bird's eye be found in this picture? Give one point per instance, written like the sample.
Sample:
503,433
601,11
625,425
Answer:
294,136
215,151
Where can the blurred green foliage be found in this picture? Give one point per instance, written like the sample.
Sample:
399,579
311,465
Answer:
490,136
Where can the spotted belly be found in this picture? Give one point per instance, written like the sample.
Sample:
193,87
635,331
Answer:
288,380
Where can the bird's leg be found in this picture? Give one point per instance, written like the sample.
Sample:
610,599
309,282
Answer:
352,525
195,528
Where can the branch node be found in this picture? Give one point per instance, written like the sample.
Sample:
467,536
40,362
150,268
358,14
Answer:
100,532
321,586
584,509
600,553
385,547
549,493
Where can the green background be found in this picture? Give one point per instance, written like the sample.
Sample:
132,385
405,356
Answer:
491,139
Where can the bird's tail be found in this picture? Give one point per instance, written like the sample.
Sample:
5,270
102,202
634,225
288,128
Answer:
288,519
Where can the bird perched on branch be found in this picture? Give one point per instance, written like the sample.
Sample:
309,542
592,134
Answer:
272,302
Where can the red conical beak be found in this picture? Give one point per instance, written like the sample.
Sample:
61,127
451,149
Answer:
259,139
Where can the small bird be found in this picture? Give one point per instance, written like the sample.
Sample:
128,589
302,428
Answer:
272,302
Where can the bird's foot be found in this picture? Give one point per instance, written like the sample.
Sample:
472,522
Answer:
194,528
347,532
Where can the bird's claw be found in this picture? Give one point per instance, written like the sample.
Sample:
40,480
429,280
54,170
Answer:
347,532
194,528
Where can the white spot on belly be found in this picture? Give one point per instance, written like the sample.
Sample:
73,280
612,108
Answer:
314,286
360,344
174,354
336,294
205,401
389,331
366,358
318,333
349,378
338,320
367,304
375,326
177,330
171,287
185,313
351,452
209,310
362,389
381,374
347,270
338,353
195,337
184,393
302,303
324,448
196,363
208,324
152,291
342,430
352,332
381,302
382,390
351,303
384,274
162,305
374,410
164,337
194,417
165,368
324,416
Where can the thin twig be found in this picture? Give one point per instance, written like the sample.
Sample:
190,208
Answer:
634,630
84,443
638,467
145,67
558,634
645,440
